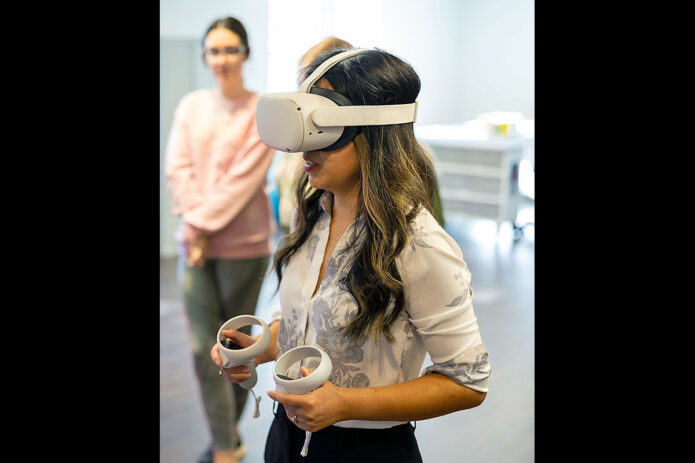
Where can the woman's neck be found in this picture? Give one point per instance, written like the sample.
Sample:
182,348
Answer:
233,89
345,204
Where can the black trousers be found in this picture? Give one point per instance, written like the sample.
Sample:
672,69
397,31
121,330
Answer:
340,445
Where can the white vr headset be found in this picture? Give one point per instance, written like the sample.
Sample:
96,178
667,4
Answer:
314,118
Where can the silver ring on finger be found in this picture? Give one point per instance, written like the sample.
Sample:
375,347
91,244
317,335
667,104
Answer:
294,418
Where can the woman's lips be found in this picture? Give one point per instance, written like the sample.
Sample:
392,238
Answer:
309,165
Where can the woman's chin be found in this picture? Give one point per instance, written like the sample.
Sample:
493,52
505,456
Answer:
316,182
226,79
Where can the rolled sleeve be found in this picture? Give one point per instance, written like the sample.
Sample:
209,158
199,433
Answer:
440,305
471,369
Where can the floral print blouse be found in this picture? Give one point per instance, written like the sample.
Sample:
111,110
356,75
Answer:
438,317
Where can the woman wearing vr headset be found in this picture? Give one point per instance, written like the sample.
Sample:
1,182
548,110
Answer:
369,276
288,168
217,167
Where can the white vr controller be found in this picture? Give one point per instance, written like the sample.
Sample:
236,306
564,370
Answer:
306,384
302,385
244,356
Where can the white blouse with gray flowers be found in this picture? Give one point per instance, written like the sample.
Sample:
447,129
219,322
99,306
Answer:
438,317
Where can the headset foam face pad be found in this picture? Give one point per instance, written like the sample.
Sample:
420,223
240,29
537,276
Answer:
349,132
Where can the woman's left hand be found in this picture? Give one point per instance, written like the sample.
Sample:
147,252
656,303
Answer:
316,410
196,245
195,257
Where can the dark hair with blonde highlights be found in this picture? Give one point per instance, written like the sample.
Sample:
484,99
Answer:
397,180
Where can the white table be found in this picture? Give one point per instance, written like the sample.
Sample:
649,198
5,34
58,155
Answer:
478,173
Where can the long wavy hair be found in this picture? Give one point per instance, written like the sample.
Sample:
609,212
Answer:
397,179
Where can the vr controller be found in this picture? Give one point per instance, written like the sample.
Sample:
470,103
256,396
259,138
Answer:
303,385
233,355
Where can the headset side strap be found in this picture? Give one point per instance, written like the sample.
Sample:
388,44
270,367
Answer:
364,115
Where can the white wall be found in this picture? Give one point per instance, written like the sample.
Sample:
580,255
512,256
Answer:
472,56
497,52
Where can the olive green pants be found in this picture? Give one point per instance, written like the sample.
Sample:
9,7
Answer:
214,293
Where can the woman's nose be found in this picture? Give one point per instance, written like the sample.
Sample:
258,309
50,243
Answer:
219,58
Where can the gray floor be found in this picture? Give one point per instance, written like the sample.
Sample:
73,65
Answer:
500,430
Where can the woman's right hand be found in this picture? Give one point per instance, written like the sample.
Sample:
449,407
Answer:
196,250
237,374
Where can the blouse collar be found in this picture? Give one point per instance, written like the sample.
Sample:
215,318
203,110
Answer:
326,202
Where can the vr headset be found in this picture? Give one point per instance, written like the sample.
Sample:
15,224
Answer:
313,118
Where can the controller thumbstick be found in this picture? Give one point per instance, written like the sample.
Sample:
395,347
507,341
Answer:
229,344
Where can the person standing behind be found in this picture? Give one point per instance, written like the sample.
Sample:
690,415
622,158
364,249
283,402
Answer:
291,164
327,44
216,166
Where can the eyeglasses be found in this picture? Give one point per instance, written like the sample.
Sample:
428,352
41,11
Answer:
226,51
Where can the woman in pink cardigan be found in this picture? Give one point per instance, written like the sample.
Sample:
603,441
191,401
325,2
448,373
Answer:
216,166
